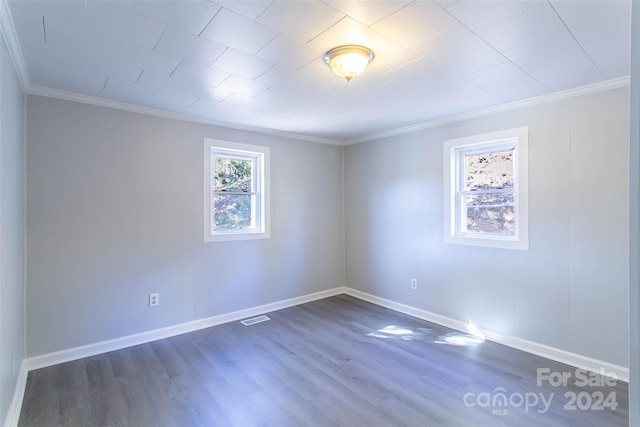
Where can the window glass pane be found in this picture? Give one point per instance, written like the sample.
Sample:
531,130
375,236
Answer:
232,174
490,213
232,211
489,170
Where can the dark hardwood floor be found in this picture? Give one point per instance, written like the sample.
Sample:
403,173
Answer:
338,361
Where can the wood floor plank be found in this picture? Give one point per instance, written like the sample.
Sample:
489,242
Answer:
338,361
74,392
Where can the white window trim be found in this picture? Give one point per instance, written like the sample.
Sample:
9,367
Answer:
519,138
263,154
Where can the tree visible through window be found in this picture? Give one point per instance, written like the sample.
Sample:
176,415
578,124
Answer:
489,193
236,191
233,194
486,190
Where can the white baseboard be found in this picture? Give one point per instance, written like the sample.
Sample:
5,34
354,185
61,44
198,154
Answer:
13,415
76,353
562,356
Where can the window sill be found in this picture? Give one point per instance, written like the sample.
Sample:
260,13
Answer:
230,237
488,242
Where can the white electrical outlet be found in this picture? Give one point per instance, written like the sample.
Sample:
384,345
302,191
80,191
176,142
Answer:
414,283
154,299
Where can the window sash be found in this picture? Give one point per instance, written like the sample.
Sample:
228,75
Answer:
489,218
461,192
258,191
464,209
256,200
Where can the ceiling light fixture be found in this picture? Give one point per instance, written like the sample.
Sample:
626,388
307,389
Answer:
348,61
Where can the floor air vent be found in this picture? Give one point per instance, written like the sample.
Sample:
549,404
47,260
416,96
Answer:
254,320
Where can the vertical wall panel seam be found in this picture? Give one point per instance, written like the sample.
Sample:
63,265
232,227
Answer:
2,414
634,219
344,220
24,223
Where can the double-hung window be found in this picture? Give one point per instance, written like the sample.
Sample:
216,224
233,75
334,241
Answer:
486,190
236,202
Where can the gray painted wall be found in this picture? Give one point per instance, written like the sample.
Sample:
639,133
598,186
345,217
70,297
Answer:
12,331
569,291
115,212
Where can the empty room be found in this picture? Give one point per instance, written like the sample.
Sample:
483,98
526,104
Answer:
319,213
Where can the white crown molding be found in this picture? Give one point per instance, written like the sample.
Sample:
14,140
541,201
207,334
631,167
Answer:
576,360
552,97
118,105
11,39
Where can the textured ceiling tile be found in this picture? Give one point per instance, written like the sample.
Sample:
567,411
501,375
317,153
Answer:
474,61
249,8
280,98
437,78
448,44
198,74
84,83
543,49
191,16
289,52
117,72
206,92
238,32
65,36
367,12
303,20
116,89
612,62
241,64
461,97
70,12
46,76
161,83
480,15
28,25
297,81
139,95
112,21
238,99
179,103
207,108
415,22
608,47
537,20
187,46
242,86
565,72
495,74
429,75
147,59
521,87
39,55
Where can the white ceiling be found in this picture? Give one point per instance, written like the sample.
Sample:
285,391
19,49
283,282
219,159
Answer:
258,64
